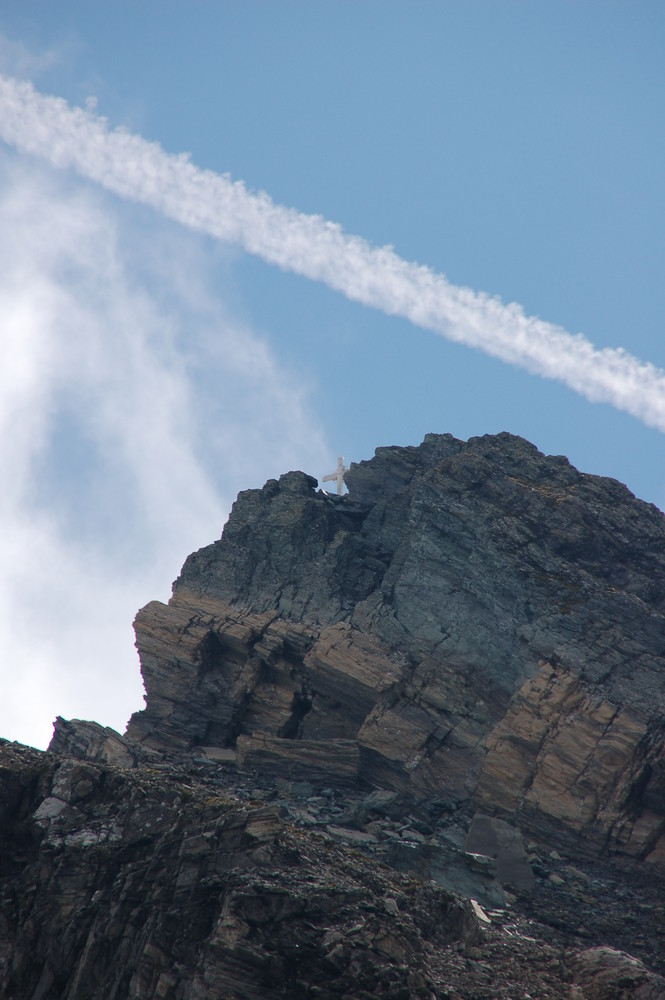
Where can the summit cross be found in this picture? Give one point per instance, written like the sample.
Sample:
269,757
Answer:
338,475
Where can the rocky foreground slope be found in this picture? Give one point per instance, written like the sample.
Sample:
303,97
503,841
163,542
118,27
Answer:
402,743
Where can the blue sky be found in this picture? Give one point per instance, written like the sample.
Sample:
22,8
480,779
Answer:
154,370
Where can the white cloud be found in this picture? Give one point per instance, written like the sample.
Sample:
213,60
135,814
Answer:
16,59
132,409
309,245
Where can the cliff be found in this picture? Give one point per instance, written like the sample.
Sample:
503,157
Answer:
361,713
472,621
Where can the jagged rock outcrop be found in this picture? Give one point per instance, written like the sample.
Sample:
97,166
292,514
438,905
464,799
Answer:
479,621
407,743
172,882
136,884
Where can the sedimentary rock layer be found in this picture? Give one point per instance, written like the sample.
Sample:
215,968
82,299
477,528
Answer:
405,743
473,621
117,883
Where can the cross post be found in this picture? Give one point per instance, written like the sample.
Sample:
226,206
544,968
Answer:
337,475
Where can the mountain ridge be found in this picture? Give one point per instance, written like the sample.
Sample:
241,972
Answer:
456,669
452,583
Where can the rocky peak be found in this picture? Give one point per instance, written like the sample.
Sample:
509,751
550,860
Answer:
464,620
457,669
449,546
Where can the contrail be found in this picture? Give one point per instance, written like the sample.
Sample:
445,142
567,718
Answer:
212,203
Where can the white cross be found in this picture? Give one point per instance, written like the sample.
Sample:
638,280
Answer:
338,474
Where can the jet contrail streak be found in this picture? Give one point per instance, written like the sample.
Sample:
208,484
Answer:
142,171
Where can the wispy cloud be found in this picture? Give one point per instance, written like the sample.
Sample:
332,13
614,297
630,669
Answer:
309,245
17,60
120,451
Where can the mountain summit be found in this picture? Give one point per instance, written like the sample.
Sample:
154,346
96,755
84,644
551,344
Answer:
405,742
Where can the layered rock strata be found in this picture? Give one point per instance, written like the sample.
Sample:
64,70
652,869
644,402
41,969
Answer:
472,621
405,743
120,884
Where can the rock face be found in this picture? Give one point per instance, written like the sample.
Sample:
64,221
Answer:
402,743
135,885
473,621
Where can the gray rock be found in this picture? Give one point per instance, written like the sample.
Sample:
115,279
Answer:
497,839
475,621
356,707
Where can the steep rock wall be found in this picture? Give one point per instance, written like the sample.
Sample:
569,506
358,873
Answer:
473,621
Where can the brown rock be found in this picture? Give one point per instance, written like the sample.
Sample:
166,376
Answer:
607,974
329,762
